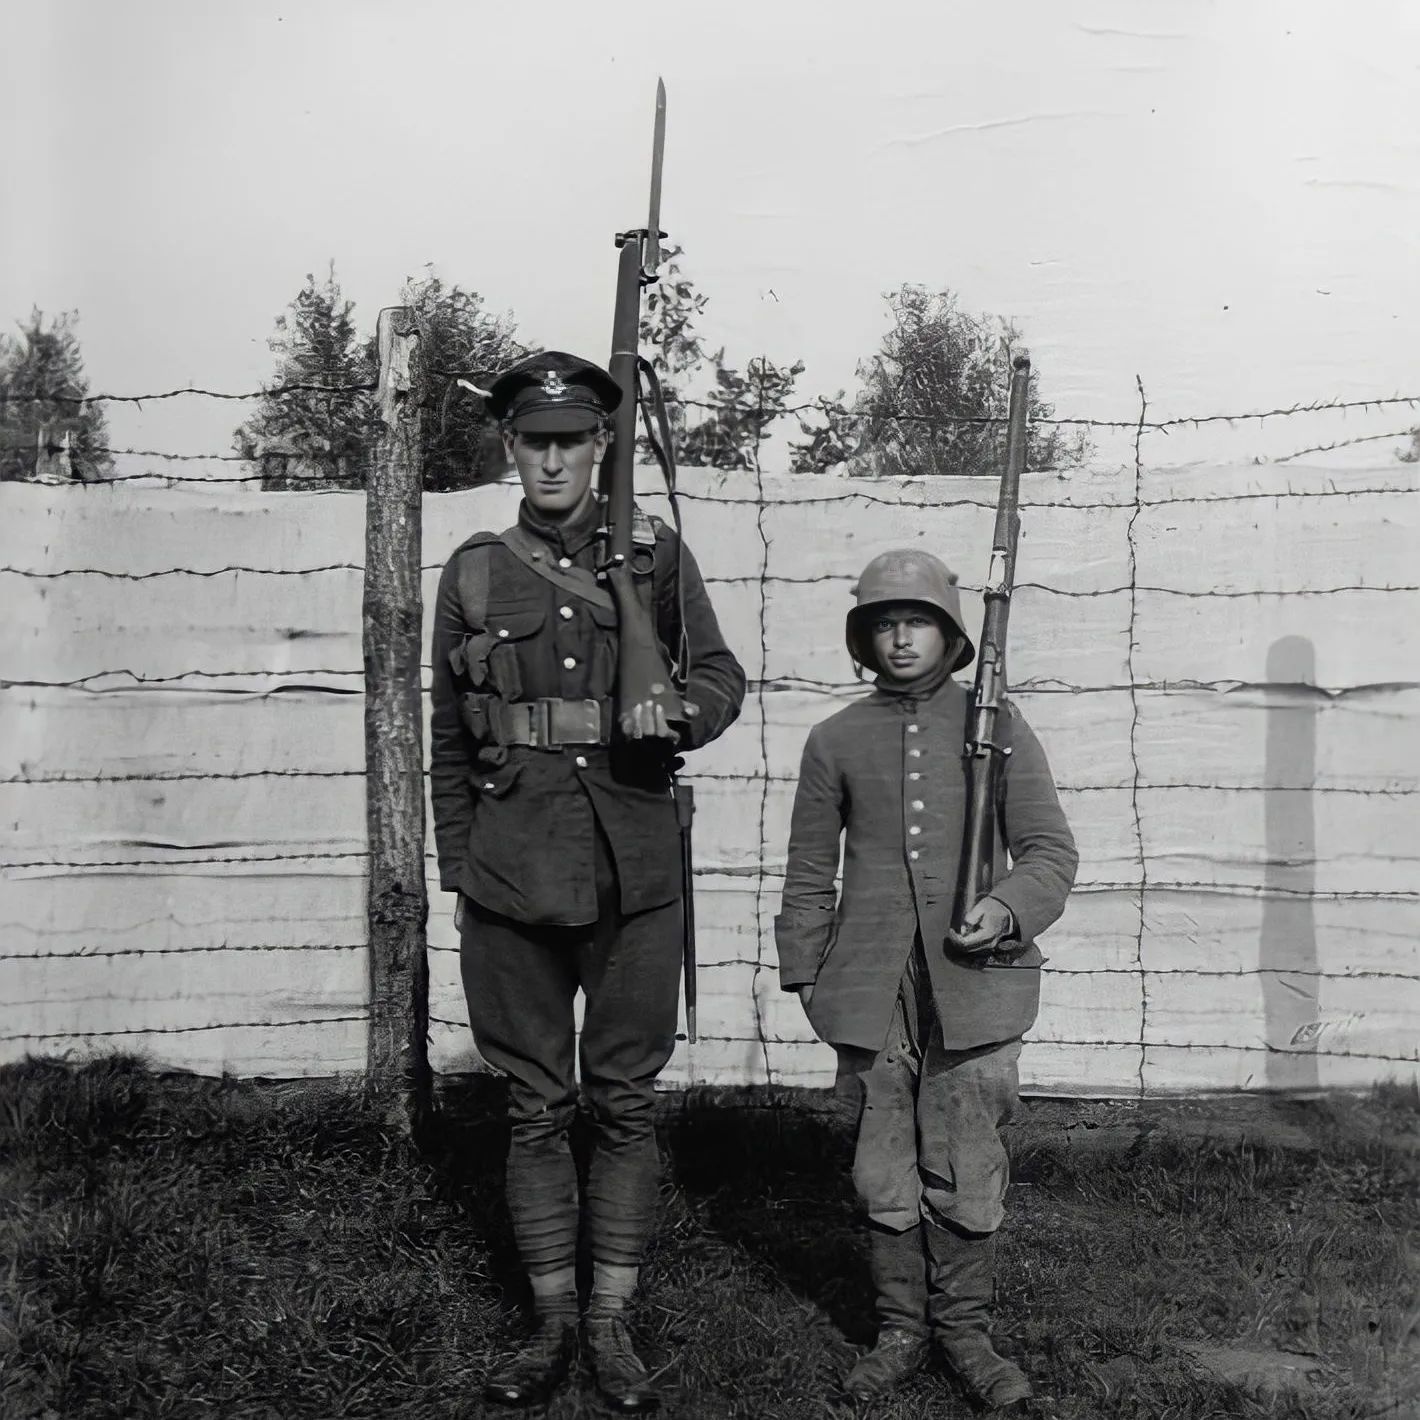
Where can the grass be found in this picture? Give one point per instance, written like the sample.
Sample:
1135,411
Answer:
172,1246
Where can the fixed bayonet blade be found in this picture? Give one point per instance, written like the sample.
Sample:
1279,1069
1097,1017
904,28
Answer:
658,152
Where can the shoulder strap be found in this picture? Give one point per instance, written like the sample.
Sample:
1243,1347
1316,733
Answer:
473,574
534,556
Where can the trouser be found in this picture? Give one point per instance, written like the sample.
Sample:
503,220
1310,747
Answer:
929,1145
520,982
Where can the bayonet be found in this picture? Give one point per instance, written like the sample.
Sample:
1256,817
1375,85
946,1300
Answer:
651,253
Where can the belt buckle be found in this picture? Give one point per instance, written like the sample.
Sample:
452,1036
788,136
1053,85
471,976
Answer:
540,724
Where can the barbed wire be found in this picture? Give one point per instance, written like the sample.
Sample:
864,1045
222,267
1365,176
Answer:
820,405
1302,1052
721,776
88,954
266,392
1026,686
180,1030
740,579
895,492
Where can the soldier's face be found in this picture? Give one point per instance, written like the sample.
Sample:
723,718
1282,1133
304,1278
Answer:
556,469
908,641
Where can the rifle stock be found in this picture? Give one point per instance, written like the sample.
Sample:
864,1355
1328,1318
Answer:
985,755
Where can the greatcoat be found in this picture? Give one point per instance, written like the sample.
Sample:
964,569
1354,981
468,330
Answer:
890,771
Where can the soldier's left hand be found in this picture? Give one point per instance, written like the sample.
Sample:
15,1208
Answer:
647,721
988,922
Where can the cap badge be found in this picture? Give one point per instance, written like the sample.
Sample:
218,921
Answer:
553,386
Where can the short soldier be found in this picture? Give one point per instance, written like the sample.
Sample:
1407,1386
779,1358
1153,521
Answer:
559,833
927,1022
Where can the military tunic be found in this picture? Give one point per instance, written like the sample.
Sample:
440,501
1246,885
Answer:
890,770
515,825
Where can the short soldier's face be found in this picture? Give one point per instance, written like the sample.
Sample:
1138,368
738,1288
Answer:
907,640
556,469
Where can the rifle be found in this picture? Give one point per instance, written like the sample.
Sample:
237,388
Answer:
985,755
642,672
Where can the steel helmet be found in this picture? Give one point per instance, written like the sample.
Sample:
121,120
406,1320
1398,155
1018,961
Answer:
905,575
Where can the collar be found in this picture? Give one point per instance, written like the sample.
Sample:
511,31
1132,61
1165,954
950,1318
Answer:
908,693
570,536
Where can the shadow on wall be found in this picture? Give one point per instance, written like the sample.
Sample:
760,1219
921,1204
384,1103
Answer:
1288,957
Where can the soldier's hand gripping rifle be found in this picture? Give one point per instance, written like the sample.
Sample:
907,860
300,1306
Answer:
647,701
985,754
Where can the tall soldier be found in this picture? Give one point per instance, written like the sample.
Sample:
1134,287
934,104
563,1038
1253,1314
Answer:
559,833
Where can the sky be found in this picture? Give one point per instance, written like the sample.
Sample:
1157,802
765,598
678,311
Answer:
1222,199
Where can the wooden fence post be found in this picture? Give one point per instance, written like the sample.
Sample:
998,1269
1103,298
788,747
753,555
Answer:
397,1061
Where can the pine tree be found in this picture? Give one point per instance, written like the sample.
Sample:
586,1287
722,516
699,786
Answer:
41,434
325,432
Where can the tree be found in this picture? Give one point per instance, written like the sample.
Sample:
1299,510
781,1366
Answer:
323,432
328,433
934,399
726,427
40,435
459,338
742,407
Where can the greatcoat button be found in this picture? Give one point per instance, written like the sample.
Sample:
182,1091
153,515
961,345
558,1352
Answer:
914,855
915,753
918,804
914,830
916,774
912,729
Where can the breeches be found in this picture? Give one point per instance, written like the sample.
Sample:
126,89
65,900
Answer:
521,982
929,1143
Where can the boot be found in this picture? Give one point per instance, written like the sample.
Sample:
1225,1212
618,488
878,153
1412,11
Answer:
621,1378
961,1289
535,1371
899,1273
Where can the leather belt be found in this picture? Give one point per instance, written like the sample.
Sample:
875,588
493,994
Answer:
551,722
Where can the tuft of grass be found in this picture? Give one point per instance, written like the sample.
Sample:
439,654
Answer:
175,1246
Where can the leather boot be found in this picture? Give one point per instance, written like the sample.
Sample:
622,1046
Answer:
899,1272
542,1364
621,1378
961,1290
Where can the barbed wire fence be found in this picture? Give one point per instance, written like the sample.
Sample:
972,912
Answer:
254,685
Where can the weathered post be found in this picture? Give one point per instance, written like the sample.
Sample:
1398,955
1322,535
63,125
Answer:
397,1061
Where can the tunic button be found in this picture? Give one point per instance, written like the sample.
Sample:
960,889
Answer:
569,662
488,785
916,774
581,761
915,753
565,612
918,804
914,830
564,561
502,630
914,855
912,729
